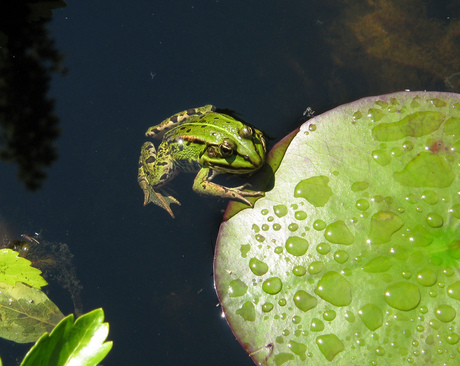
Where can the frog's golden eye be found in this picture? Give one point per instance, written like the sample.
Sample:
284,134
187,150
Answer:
245,132
226,148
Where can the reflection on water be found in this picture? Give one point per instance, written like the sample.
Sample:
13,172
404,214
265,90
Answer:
398,44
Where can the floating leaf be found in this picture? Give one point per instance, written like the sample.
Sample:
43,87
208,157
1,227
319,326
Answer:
14,268
80,343
353,256
26,313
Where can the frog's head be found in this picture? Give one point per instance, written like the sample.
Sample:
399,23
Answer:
240,153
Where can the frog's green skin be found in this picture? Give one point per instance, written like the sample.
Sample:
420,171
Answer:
204,141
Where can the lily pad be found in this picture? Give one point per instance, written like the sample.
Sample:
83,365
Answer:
353,256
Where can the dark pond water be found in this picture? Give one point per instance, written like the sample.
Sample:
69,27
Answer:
131,65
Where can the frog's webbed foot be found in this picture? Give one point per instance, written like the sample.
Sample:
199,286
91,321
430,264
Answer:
163,199
203,185
238,194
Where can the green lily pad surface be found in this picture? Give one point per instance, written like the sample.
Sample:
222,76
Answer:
353,257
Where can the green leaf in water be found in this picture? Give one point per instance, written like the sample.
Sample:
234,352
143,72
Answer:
81,343
26,313
14,268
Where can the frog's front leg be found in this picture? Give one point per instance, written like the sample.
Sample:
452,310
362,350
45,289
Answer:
203,185
151,174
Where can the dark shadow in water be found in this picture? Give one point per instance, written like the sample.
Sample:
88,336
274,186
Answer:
29,126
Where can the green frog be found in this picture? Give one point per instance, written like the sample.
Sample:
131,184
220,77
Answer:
204,141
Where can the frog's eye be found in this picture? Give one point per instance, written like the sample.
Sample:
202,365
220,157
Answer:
245,132
226,148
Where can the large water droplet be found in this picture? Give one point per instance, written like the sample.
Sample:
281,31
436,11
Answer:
329,345
454,290
338,233
378,264
426,277
315,267
335,289
372,316
341,256
381,157
434,220
383,225
426,170
416,124
237,288
304,301
402,296
445,313
296,246
362,204
316,325
329,315
258,267
272,285
299,270
452,126
267,307
298,348
247,311
455,211
300,215
430,197
315,190
280,210
323,248
359,186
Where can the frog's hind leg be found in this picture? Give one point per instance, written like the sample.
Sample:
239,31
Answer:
148,162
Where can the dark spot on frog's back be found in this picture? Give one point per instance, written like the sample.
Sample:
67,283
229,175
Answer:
174,119
161,163
164,177
150,159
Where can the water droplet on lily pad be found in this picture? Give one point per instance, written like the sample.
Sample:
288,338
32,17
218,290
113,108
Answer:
426,170
416,124
237,288
267,307
383,225
372,316
258,267
454,290
304,301
381,157
334,288
402,296
426,277
300,215
434,220
338,233
445,313
298,348
316,325
330,346
280,210
315,190
272,285
296,246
